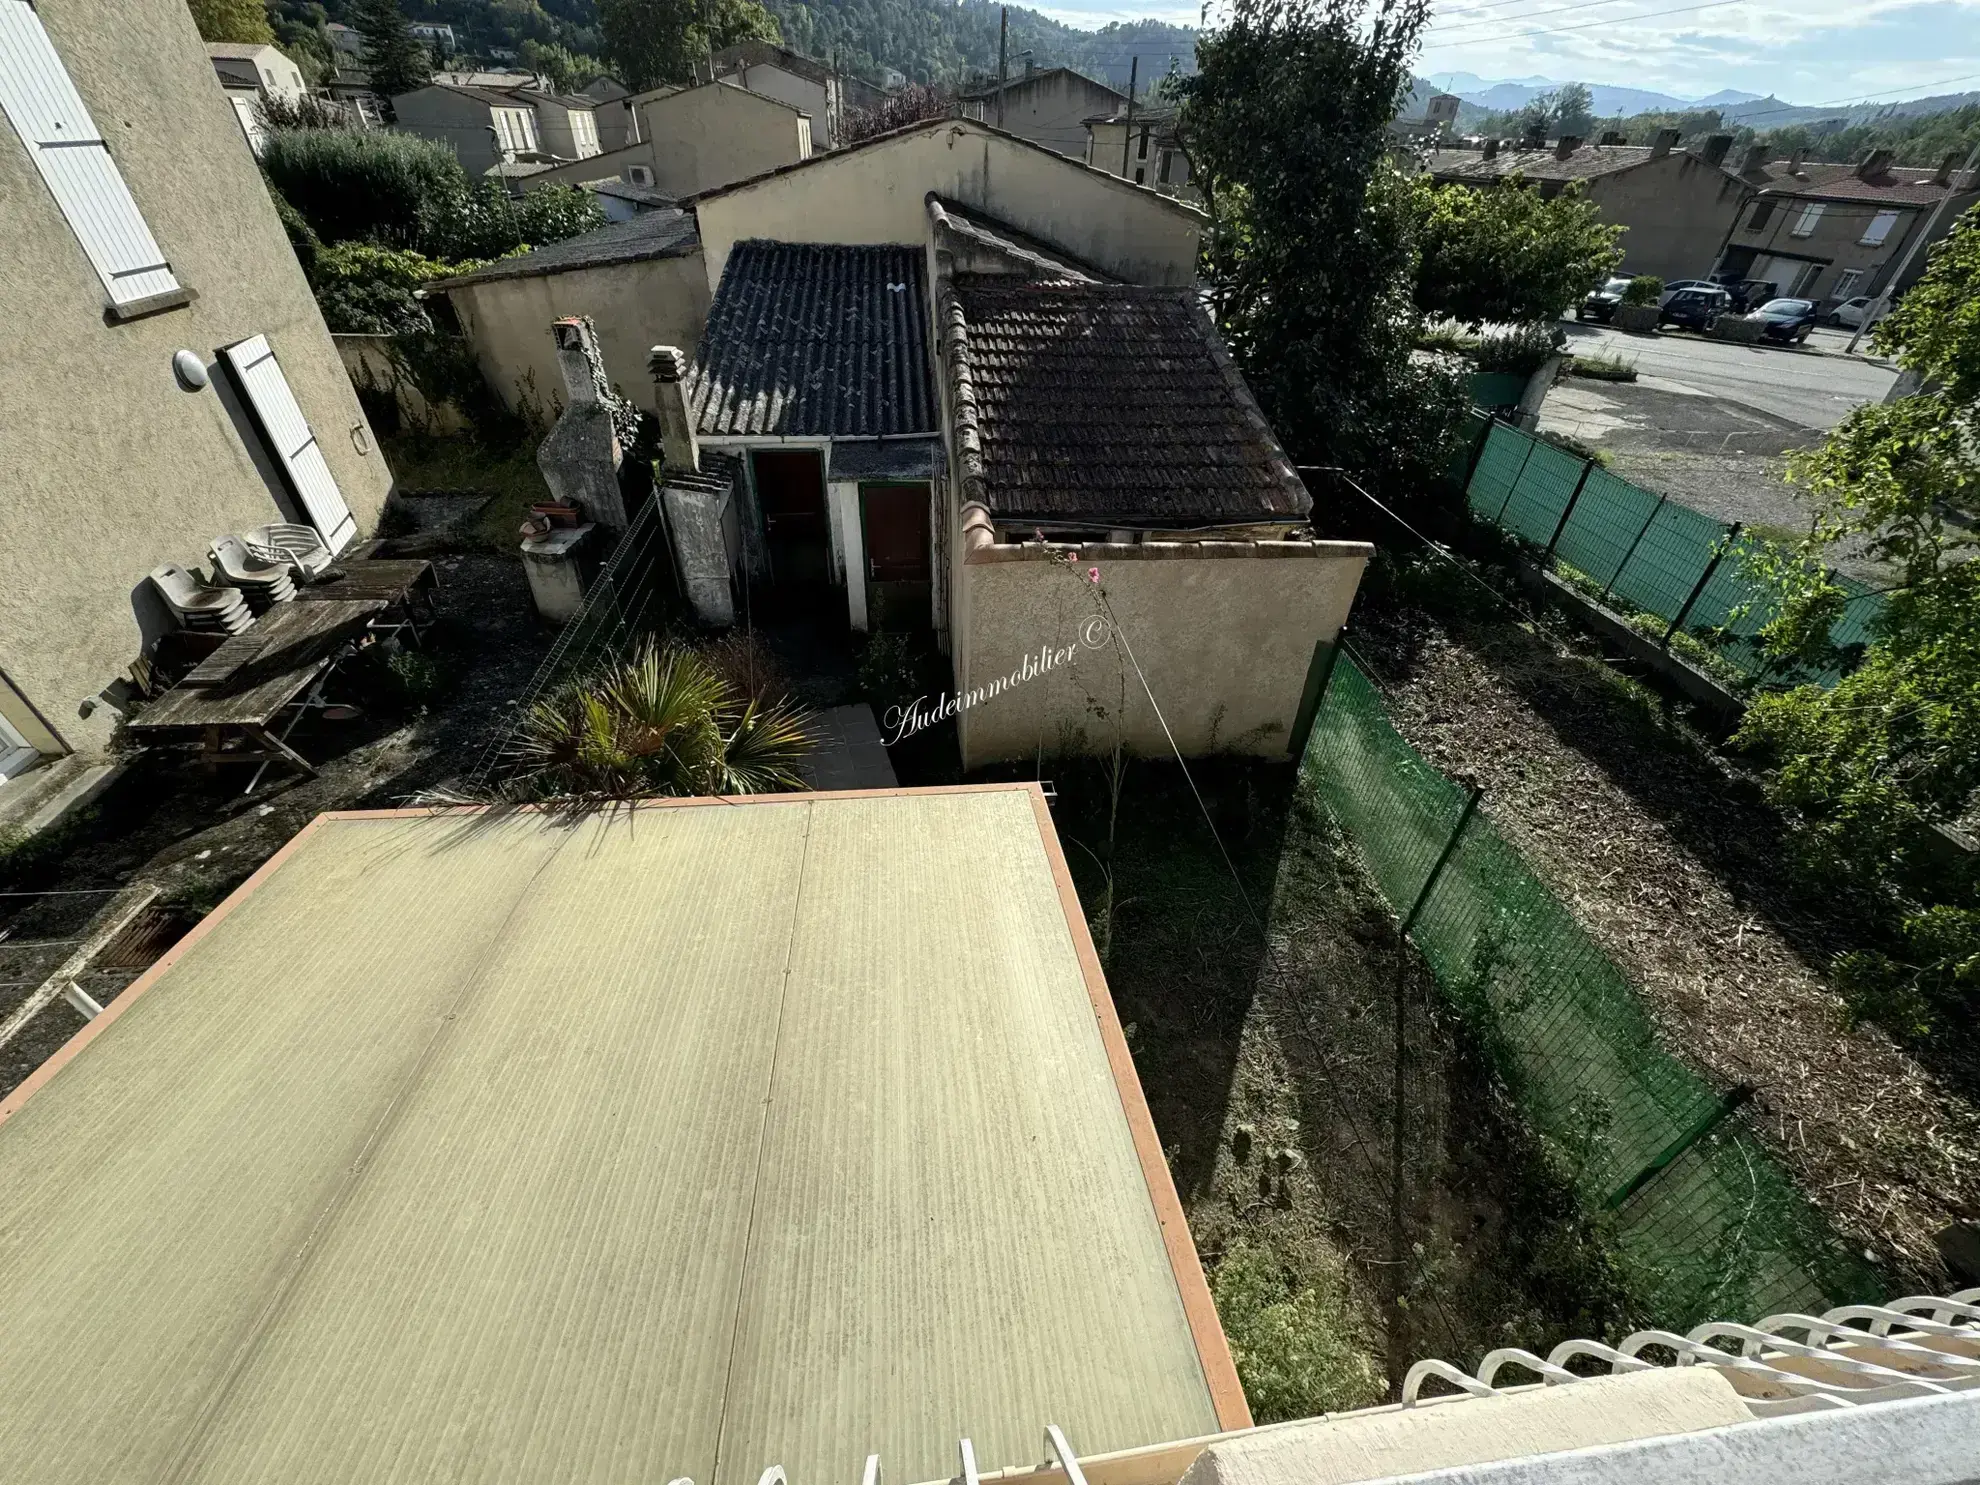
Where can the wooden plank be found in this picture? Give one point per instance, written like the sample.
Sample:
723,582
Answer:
114,919
298,641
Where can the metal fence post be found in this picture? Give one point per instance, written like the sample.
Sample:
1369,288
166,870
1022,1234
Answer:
1633,546
1587,468
1443,859
1513,488
1710,1120
1718,556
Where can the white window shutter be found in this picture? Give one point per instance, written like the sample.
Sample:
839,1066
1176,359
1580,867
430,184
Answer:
48,114
290,439
1879,228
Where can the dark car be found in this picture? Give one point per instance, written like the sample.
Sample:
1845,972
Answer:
1749,292
1695,309
1786,319
1601,302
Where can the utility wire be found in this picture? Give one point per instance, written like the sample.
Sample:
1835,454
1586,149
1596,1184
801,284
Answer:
1621,20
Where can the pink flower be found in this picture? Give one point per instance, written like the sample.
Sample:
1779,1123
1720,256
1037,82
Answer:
1093,574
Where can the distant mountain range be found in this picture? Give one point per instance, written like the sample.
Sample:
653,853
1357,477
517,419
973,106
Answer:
1483,95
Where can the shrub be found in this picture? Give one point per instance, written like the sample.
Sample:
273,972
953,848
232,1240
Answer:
1519,350
479,221
909,106
365,289
354,186
1295,1347
1643,289
1602,368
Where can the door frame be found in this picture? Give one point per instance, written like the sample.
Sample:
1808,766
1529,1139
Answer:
865,576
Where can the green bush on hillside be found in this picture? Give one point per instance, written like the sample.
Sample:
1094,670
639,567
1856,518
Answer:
370,185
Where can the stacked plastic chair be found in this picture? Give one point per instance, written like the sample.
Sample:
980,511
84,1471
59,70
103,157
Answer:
199,605
262,582
298,548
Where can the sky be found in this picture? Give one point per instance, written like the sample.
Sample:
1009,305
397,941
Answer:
1807,51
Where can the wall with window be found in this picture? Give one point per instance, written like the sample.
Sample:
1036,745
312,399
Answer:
1824,250
112,466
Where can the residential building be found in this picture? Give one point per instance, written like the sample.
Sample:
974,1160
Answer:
1048,106
696,139
803,82
615,123
486,128
344,40
641,282
565,125
351,87
1831,232
1677,204
250,73
1142,148
440,38
142,247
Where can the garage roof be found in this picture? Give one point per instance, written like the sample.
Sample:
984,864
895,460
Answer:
684,1140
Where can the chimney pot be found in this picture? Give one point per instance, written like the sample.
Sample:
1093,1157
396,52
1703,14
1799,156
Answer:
1665,142
1714,152
1794,160
1567,145
677,441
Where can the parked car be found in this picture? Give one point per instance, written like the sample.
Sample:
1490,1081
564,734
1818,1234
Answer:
1695,309
1786,319
1601,302
1677,286
1852,312
1749,292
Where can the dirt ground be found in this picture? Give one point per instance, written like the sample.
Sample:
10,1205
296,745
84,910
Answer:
198,838
1671,858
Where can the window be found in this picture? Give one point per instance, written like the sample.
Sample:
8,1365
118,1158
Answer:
1168,161
47,112
1141,152
1805,224
1879,228
1763,213
584,133
1846,285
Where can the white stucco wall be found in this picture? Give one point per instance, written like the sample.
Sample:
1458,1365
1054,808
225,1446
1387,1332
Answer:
878,194
1225,633
111,468
718,133
634,307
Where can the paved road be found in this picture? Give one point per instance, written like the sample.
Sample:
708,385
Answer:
1801,386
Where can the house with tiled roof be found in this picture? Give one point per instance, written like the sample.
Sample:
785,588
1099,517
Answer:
1832,232
961,384
1677,204
485,127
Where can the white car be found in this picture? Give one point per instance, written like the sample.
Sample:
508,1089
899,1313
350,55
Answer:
1852,312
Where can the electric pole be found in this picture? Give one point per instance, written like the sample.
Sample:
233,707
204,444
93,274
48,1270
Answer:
1127,136
1003,53
1876,311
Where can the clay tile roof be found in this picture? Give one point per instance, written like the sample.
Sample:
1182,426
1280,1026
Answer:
819,341
1110,401
1898,186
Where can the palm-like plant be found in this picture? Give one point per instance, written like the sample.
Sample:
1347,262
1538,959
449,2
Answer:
658,721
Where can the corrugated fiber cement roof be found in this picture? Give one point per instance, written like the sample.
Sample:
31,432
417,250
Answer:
681,1141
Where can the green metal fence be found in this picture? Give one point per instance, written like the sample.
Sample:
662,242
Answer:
1706,1221
1652,554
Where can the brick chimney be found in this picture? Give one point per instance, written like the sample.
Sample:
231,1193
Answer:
1947,166
1714,152
677,442
1753,159
1666,142
1876,163
1567,145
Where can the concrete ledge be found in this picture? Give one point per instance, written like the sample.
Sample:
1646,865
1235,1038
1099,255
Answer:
1167,551
34,801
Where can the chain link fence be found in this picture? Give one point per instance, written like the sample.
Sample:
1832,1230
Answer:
1653,555
1705,1222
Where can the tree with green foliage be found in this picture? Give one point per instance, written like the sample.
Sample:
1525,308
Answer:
363,185
650,42
560,67
1895,746
1506,252
1570,110
1309,261
243,21
395,61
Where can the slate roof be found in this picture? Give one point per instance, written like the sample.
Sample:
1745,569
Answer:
816,341
1586,163
651,234
1110,403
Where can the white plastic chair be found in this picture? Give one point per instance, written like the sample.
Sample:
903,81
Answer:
198,605
265,583
298,547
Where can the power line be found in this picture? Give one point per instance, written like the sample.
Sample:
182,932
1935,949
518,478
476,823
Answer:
1499,19
1621,20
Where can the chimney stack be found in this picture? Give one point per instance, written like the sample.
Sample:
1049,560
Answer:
1946,168
1567,145
1666,142
1491,149
1756,156
1794,160
1614,136
677,442
1714,152
1876,163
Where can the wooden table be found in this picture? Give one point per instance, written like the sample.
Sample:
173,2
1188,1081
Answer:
239,691
400,584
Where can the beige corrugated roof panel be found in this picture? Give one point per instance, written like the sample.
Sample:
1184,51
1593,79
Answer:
684,1140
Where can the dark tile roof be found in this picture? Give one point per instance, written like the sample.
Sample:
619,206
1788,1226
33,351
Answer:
1585,163
816,341
987,87
1109,403
626,191
1897,186
651,234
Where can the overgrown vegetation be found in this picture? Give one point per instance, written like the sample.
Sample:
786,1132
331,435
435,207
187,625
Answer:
1519,350
650,42
910,105
1507,253
1644,289
1295,1338
1868,766
659,721
1311,261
